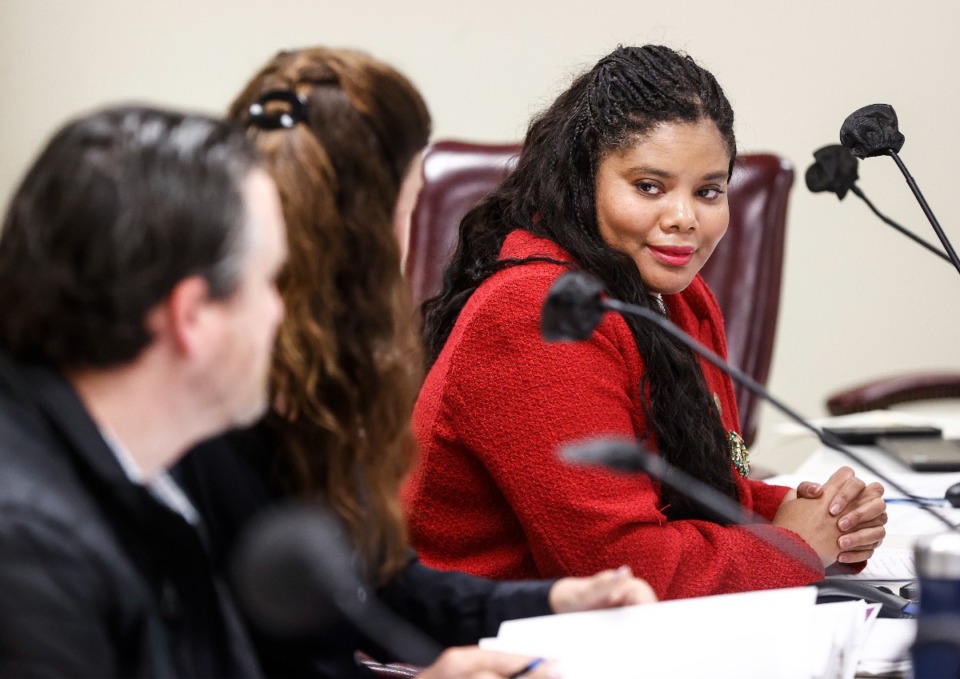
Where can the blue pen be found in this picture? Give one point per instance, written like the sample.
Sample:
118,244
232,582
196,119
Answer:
527,669
924,501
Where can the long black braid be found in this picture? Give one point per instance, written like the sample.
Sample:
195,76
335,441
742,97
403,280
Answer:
552,194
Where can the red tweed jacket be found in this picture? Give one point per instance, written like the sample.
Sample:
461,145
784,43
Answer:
489,495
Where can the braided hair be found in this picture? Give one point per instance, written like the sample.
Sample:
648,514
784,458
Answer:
551,194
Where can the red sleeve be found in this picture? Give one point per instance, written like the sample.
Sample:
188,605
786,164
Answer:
766,498
509,401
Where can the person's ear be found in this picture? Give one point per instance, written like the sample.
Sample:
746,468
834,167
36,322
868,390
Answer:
186,316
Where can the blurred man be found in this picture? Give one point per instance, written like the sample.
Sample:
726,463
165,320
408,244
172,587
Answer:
137,315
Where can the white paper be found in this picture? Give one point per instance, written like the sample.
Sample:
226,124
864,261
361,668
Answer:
842,627
735,636
886,565
887,648
854,656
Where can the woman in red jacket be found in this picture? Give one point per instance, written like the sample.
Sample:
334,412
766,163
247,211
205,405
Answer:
624,176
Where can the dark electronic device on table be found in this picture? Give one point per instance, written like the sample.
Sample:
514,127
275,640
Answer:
868,435
923,454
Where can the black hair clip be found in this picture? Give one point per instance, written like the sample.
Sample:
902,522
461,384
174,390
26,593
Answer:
297,113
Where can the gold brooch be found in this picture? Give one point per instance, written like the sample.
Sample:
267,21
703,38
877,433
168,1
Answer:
739,453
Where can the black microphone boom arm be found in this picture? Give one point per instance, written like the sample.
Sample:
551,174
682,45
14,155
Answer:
825,437
902,229
926,210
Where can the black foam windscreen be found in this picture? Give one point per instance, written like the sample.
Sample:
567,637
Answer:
296,576
834,170
872,131
293,572
619,454
573,308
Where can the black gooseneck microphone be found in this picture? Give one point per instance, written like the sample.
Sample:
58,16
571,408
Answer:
872,131
295,577
632,456
835,170
575,305
625,455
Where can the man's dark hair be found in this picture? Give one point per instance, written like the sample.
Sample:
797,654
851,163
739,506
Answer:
119,207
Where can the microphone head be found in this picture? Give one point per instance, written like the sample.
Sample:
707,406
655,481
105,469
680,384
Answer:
573,308
618,454
294,575
872,131
834,169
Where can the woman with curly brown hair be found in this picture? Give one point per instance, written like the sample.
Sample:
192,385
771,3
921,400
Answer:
341,134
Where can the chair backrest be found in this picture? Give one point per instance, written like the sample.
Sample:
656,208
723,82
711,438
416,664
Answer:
744,271
456,175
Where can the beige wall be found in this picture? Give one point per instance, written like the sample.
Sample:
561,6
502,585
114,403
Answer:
859,300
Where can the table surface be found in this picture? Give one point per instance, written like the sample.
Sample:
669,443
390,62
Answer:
907,523
799,451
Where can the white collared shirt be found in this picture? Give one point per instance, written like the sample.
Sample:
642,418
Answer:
162,486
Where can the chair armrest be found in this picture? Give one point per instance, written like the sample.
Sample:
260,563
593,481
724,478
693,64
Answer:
888,391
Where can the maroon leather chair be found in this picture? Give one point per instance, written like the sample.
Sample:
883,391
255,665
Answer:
885,392
456,175
744,271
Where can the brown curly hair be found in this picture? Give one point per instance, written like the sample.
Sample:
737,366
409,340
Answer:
348,363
